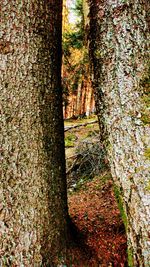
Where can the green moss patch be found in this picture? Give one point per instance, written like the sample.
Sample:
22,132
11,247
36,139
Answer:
130,257
147,153
119,199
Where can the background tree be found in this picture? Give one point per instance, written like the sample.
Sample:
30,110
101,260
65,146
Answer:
77,87
33,183
119,41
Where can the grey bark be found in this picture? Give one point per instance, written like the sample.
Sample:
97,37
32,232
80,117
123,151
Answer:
119,43
33,198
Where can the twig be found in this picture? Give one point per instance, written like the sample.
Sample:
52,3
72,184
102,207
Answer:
67,128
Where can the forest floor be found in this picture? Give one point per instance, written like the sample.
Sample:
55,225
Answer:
98,234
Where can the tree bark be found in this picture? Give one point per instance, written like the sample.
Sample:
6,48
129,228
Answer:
33,182
119,43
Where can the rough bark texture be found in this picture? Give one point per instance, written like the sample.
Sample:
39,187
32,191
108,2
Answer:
33,197
119,43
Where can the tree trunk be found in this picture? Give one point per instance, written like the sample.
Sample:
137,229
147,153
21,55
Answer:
33,183
118,49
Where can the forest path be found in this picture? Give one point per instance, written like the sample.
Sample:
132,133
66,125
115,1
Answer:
98,234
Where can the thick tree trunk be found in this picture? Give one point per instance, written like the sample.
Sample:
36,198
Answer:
118,49
33,184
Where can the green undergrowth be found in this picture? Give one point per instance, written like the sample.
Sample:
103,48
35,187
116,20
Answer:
89,126
70,140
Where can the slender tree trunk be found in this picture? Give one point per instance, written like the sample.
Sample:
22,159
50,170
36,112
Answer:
118,48
33,183
79,98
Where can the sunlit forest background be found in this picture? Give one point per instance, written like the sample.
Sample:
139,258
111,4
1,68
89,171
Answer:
78,96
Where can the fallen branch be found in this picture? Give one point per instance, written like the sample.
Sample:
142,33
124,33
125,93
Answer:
67,128
73,156
73,165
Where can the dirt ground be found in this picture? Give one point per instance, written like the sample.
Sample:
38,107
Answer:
97,232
